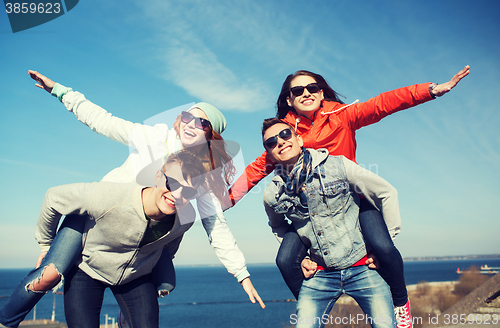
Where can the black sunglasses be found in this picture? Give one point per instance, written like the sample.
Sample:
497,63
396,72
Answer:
272,142
171,184
199,122
299,90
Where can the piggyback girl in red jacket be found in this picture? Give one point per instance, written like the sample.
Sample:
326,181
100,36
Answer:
309,104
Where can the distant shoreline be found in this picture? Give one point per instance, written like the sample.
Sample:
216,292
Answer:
451,258
405,259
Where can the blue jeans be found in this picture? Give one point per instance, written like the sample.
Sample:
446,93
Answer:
319,293
292,251
163,273
380,244
65,249
83,298
290,255
63,253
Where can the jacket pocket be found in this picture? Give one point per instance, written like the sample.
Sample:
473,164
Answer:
282,206
332,199
334,188
109,267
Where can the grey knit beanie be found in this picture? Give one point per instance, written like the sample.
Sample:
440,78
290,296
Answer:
216,118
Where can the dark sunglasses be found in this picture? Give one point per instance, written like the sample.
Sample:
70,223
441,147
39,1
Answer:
199,122
299,90
272,142
172,185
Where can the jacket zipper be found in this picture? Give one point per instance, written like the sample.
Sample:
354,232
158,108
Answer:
126,267
134,255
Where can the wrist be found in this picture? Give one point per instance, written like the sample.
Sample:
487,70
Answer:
432,86
242,275
44,247
60,91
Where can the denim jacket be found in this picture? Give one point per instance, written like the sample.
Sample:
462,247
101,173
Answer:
329,224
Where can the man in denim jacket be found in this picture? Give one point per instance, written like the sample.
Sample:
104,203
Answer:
318,194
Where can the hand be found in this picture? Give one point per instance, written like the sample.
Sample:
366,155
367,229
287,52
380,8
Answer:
252,293
163,293
371,261
443,88
40,258
43,81
308,268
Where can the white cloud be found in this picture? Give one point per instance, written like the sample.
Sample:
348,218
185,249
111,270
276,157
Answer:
189,62
256,39
198,71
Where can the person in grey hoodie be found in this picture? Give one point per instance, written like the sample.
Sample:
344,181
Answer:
318,193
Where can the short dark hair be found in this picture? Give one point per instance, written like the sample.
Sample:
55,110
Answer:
191,166
282,105
268,122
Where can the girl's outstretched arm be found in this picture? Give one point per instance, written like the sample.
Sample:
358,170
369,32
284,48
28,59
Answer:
443,88
90,114
43,81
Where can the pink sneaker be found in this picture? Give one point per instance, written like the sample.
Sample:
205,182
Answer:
403,316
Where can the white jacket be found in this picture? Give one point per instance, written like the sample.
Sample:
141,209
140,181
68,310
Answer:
149,147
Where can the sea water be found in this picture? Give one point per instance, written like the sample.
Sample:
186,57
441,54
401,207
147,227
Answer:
211,297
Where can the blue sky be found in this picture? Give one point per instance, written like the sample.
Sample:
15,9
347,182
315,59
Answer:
137,59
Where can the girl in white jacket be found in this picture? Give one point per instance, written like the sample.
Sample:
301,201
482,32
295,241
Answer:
198,129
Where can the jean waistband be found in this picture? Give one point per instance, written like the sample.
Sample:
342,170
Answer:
362,261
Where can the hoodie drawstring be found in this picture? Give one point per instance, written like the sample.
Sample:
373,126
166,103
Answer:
297,120
324,113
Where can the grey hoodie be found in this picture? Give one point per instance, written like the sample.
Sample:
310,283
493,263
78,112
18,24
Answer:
115,226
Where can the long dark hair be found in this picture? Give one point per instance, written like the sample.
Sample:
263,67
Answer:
282,105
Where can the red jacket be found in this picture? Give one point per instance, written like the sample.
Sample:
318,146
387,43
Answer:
334,127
